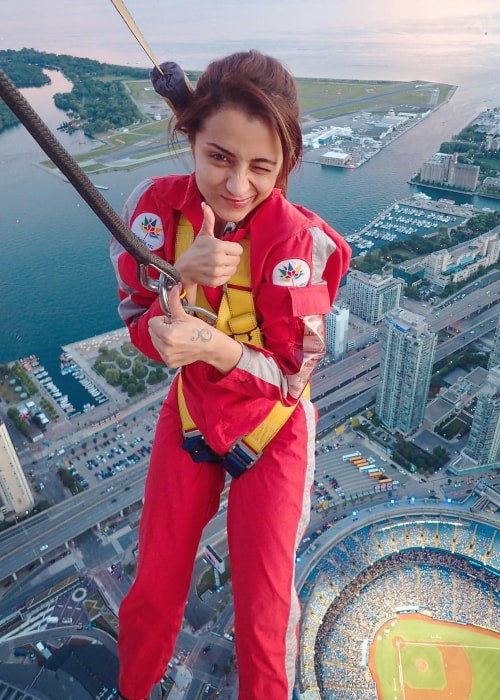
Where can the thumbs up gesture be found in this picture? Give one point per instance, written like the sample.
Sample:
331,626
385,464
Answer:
181,338
208,225
209,261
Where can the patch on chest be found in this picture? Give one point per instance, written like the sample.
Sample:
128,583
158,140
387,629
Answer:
148,228
293,272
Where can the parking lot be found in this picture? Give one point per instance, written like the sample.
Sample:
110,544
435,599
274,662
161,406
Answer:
107,462
339,482
107,454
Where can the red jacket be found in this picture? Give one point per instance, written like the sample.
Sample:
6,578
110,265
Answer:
297,262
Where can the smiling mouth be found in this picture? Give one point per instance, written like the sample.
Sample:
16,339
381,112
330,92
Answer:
238,203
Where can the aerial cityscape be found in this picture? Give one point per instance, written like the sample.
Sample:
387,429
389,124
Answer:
398,570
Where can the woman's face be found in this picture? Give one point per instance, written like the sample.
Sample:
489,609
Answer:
237,161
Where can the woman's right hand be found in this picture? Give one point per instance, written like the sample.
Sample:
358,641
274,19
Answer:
209,261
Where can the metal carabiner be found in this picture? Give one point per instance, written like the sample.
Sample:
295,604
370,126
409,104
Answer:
163,286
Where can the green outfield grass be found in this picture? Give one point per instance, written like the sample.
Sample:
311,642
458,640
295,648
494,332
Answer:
414,657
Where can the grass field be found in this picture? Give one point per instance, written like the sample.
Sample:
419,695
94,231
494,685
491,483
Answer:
414,657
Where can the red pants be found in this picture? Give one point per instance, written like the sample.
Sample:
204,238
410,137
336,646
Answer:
268,511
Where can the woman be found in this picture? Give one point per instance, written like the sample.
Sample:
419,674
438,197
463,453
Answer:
242,123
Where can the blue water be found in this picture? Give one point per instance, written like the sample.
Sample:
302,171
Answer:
57,285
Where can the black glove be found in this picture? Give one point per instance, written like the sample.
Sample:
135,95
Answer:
173,85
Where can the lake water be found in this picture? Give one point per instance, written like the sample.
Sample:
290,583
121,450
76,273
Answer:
56,280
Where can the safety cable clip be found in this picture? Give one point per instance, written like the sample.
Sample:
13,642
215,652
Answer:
163,285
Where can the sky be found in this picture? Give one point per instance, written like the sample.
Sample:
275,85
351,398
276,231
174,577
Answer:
361,39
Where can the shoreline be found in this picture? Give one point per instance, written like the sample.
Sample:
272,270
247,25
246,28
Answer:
476,193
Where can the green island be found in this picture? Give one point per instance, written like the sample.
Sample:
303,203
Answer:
98,100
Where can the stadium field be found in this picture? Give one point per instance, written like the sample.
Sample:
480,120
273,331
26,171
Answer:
414,657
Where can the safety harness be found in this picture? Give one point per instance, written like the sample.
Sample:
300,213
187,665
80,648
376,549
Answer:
237,318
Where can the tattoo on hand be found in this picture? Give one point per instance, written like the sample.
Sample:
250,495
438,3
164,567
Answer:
204,334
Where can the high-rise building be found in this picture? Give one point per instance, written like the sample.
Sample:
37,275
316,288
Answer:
336,329
406,364
15,493
371,296
483,445
494,360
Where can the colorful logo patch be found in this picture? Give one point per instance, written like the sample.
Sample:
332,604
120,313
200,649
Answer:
292,273
147,227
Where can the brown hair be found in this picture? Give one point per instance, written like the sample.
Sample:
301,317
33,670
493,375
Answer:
259,85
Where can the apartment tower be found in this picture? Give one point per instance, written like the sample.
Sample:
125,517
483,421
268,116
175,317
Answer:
336,330
371,296
494,359
406,364
15,493
484,438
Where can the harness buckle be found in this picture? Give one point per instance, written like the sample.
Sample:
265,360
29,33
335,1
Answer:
239,458
195,444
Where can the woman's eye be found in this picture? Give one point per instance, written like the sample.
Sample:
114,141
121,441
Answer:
261,169
219,157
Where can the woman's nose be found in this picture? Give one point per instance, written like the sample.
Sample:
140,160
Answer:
237,182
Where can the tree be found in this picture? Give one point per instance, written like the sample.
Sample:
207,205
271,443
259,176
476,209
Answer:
113,376
412,292
139,370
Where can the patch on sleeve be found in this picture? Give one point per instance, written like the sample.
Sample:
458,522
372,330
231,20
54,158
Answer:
148,228
293,272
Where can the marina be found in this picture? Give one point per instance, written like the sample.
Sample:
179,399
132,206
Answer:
416,215
46,381
94,395
69,366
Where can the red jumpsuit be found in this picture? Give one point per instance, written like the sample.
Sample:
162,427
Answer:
297,262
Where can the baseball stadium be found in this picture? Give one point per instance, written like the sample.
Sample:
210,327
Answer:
405,607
